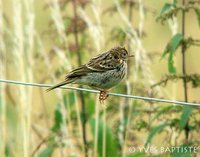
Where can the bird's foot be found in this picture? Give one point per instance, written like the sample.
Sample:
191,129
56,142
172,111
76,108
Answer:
103,96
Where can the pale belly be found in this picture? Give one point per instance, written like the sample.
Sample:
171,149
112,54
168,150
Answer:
102,81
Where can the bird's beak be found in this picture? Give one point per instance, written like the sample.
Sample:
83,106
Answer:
131,56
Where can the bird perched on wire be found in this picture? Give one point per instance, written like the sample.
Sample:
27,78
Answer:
102,72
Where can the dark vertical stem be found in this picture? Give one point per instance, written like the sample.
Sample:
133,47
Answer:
183,50
76,32
83,113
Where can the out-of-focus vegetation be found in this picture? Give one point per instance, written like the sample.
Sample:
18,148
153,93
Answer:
41,41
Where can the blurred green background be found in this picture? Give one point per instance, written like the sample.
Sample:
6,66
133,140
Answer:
41,41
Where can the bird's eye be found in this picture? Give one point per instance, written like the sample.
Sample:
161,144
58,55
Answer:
124,53
115,57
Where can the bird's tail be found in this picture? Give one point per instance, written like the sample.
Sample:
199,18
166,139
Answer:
59,84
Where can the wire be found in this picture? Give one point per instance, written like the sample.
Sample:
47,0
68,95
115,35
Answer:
109,93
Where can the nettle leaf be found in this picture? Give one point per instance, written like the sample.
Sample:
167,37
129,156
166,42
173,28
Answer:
154,131
176,41
173,44
71,97
47,152
174,2
171,47
196,82
187,110
111,145
165,8
166,110
166,51
197,11
91,107
58,119
171,67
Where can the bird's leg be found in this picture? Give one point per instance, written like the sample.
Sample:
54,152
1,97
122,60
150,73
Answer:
103,96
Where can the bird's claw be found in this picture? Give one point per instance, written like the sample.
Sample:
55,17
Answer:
103,96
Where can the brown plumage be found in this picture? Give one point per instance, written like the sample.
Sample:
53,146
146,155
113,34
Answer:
101,72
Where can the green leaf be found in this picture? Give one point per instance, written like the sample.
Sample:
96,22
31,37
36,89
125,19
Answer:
71,98
186,151
187,110
47,152
111,146
154,131
140,124
171,67
197,11
196,81
91,107
171,48
165,110
58,119
165,52
174,2
8,151
165,8
173,44
175,41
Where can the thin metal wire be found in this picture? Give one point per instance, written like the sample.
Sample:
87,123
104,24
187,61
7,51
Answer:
109,93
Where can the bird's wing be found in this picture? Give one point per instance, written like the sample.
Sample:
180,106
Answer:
101,63
80,71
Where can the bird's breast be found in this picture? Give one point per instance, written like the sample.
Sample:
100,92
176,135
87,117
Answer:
104,80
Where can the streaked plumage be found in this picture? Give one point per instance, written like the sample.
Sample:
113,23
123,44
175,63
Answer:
102,72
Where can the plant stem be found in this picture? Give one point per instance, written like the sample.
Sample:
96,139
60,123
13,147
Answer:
96,129
84,118
130,11
129,111
183,50
104,131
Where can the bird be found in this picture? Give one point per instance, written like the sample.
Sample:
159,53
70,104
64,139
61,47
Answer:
101,72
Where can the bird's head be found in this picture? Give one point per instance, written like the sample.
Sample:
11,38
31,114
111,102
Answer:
120,54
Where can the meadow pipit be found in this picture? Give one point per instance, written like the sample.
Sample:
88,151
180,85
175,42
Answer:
102,72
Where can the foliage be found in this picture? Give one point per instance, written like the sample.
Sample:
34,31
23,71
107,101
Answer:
155,131
171,47
47,152
111,147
